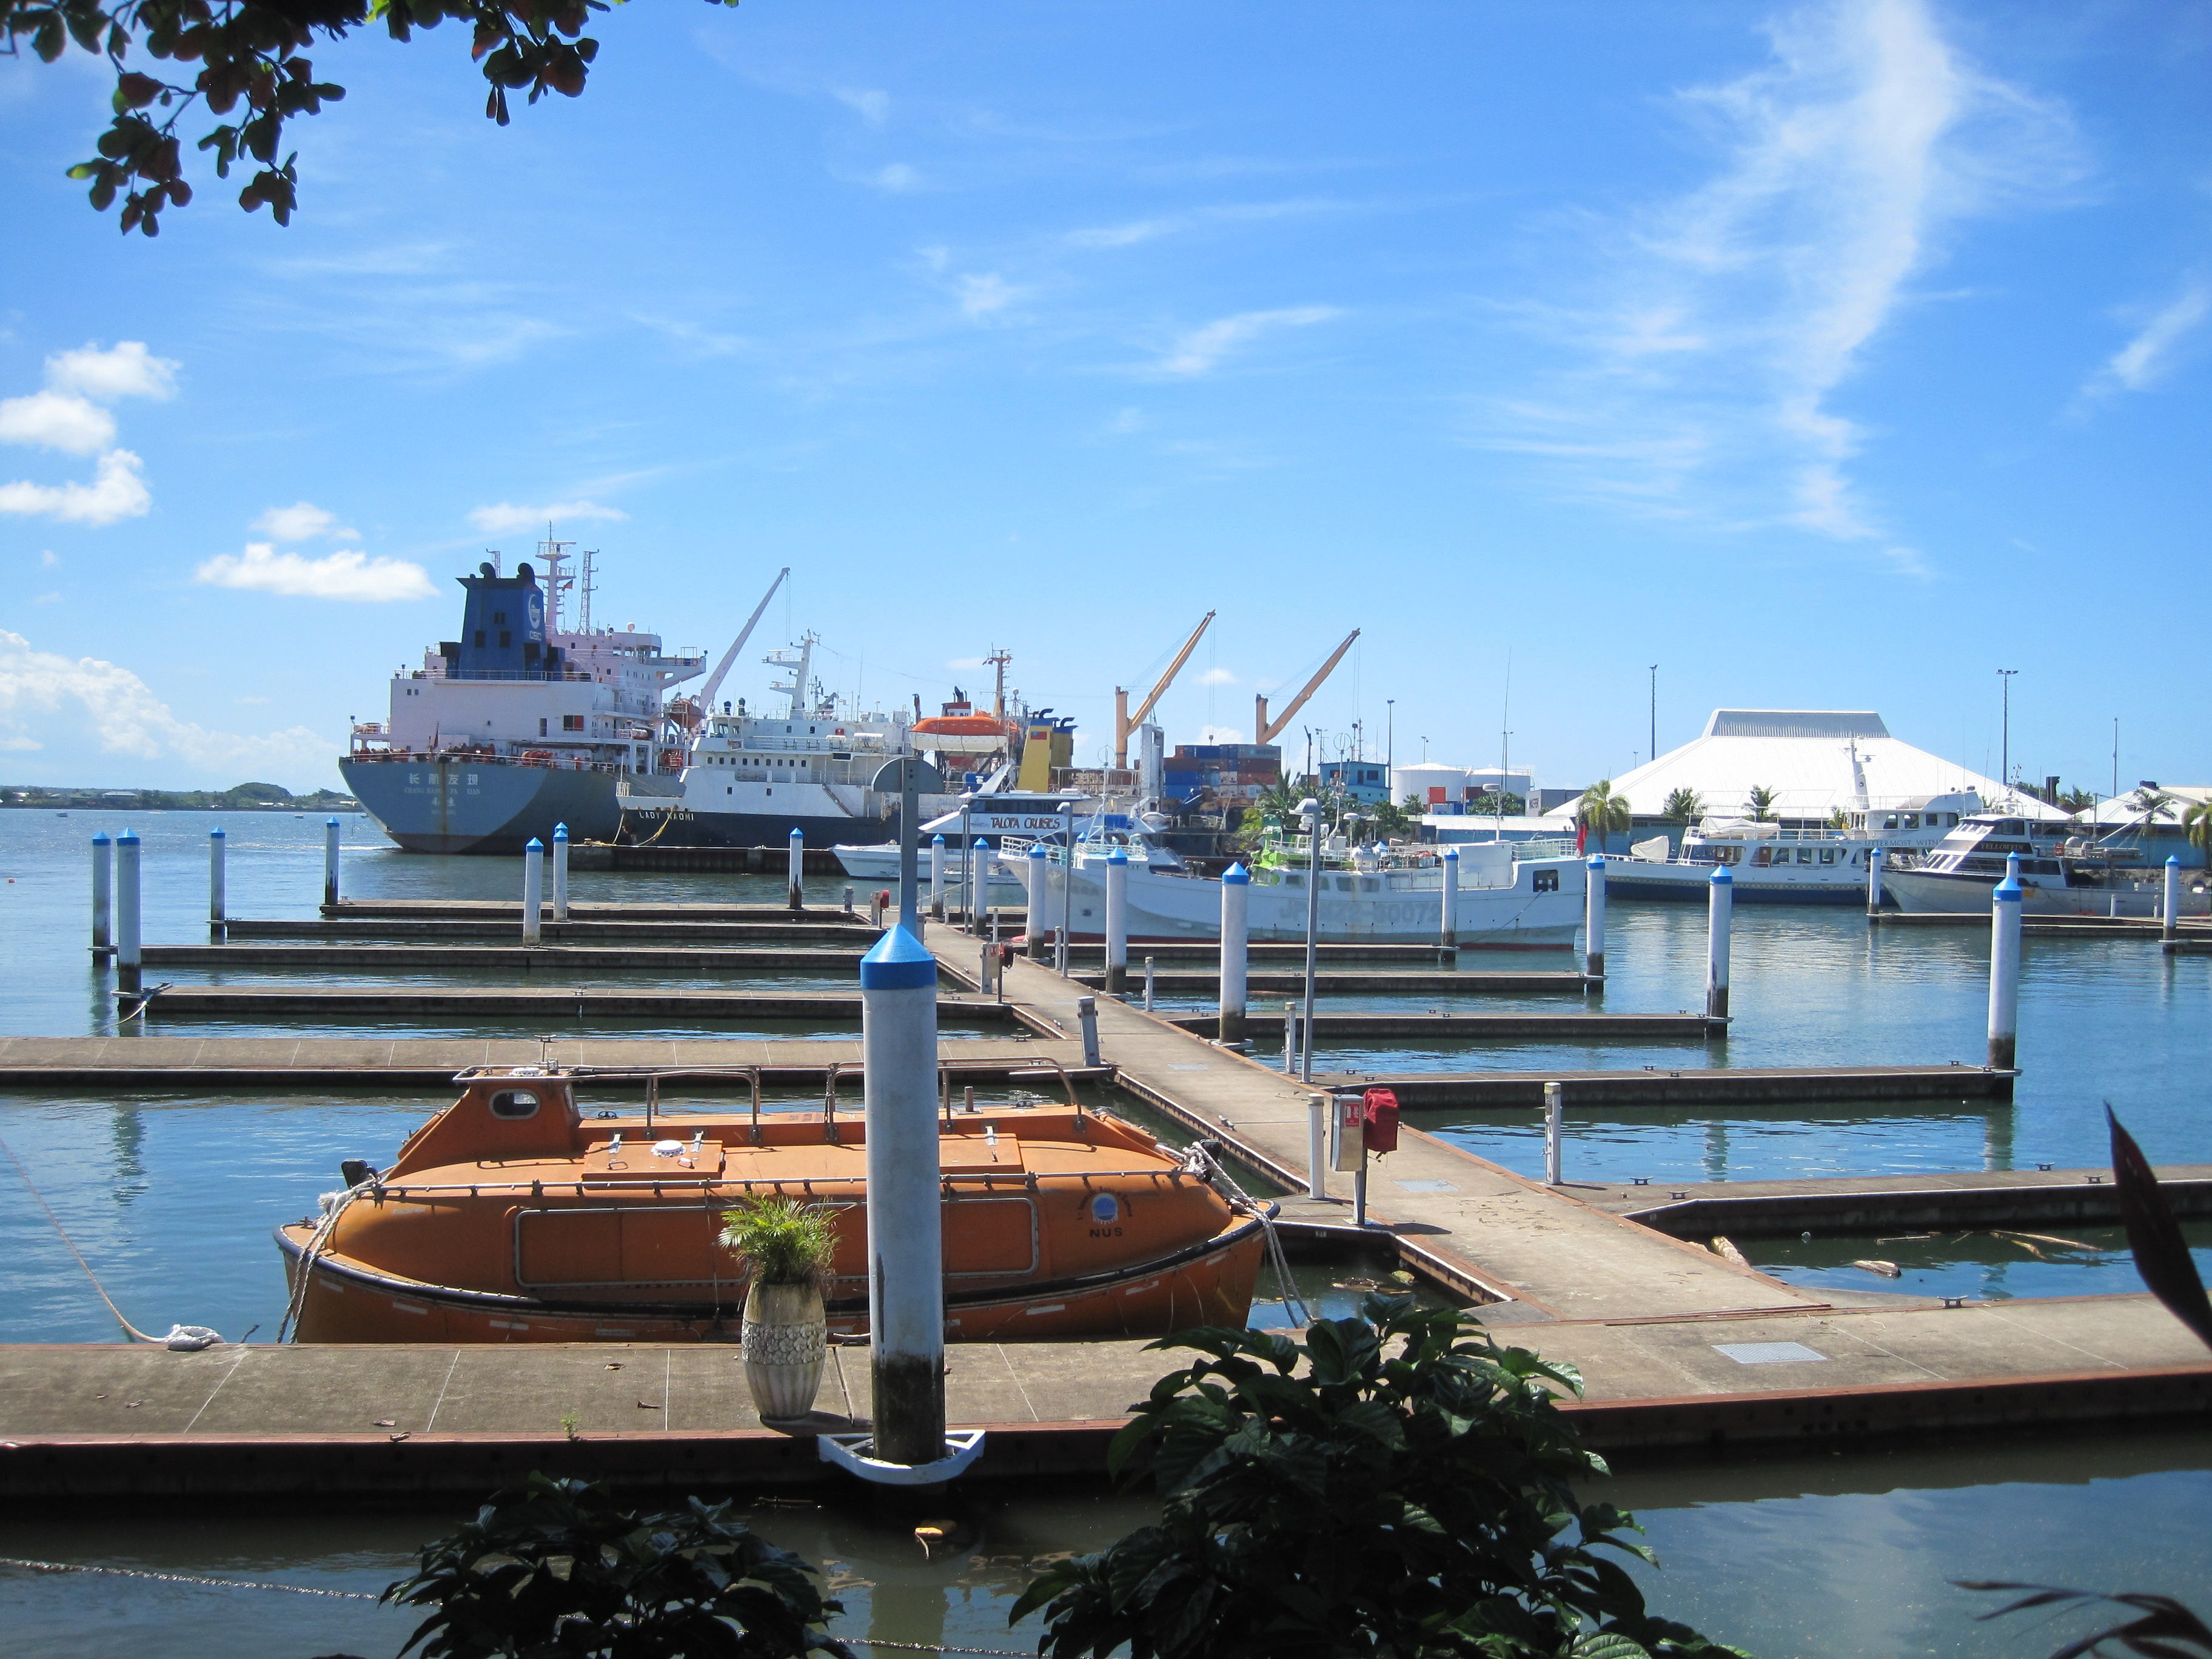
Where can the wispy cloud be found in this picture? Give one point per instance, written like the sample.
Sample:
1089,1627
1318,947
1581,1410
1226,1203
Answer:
1201,349
1700,378
1217,676
872,106
348,574
981,295
300,522
898,178
117,492
2146,360
57,420
506,516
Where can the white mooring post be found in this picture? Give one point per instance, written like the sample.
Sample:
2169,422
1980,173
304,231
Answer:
533,889
330,861
216,840
1594,918
906,1255
103,897
2004,969
979,883
1874,882
1039,925
796,898
1554,1118
1448,922
1117,921
1148,985
1086,1018
560,873
126,911
1316,1143
1236,902
1290,1039
1721,901
937,878
2171,916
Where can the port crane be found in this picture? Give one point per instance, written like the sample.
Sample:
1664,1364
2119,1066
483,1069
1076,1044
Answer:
1124,722
1266,731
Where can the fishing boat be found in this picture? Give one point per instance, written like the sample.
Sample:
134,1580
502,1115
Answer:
1511,894
512,1216
2059,875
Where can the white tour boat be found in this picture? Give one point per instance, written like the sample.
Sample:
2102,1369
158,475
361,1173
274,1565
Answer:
2058,875
1771,864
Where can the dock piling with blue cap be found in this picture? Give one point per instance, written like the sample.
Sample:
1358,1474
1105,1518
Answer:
796,896
2004,967
215,885
1721,903
1039,925
1448,922
126,911
103,897
1594,918
1117,923
906,1254
1235,906
2170,916
560,873
330,861
1873,883
533,888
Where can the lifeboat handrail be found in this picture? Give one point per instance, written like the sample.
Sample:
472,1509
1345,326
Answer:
542,1187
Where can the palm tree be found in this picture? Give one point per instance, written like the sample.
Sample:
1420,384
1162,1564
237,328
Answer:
1600,812
2196,822
2149,802
1761,800
2077,800
1683,806
1838,818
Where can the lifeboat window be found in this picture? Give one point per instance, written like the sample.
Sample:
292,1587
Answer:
514,1103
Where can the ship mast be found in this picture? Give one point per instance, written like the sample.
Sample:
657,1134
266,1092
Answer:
999,659
555,554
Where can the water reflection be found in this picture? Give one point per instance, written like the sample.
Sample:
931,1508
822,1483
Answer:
127,1137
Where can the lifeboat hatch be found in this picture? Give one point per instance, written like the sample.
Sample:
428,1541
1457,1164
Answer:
990,1237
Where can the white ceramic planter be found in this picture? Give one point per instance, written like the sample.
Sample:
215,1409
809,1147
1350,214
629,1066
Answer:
784,1338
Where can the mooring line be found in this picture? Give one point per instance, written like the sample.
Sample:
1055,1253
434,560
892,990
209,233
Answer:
73,1250
183,1578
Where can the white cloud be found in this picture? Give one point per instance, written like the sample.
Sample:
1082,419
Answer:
1141,230
2145,359
64,416
1200,350
1221,734
299,522
896,178
125,717
17,744
982,295
1217,676
873,108
48,598
49,558
127,371
348,573
1698,378
506,516
117,492
57,420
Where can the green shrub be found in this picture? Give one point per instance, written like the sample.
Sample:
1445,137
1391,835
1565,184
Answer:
785,1243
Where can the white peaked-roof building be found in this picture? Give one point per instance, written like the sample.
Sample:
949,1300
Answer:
1815,760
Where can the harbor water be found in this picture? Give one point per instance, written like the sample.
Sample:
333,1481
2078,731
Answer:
172,1193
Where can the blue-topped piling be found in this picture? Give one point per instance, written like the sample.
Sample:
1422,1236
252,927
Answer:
560,873
216,895
533,889
330,861
103,897
1720,904
2005,900
126,911
1117,921
1235,906
1594,917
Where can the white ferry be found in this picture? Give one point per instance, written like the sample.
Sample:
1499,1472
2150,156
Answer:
2059,875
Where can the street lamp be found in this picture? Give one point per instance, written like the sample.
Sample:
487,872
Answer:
2004,775
1309,811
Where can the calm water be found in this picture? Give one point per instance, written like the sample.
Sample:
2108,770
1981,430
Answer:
1835,1557
173,1196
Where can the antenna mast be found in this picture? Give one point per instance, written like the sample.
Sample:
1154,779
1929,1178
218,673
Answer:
588,587
555,554
998,660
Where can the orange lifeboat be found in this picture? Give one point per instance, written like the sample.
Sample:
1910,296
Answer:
959,730
511,1217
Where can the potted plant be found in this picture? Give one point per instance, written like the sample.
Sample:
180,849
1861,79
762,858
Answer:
788,1246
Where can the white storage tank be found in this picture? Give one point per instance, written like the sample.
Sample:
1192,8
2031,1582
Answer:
1431,782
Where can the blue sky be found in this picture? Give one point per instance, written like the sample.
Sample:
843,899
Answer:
1824,356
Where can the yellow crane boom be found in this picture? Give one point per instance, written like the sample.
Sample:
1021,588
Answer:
1266,731
1124,721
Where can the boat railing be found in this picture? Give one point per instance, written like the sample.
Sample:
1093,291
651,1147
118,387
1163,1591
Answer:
545,758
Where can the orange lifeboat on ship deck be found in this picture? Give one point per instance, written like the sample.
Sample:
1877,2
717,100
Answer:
511,1217
959,730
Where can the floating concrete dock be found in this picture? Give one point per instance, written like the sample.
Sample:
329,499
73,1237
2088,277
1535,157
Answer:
1974,1198
832,929
501,910
518,959
1441,981
2140,927
1477,1028
252,1003
1712,1085
145,1062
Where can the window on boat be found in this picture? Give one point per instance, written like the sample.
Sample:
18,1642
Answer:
1343,883
1889,822
1547,881
1827,856
1804,855
514,1103
1292,879
1912,820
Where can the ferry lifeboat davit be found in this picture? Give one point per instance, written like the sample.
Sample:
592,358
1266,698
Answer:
510,1217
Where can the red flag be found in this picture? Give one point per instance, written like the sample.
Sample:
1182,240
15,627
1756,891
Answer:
1582,830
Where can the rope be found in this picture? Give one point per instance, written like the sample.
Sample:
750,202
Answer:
315,1243
134,1331
1210,1170
185,1578
926,1647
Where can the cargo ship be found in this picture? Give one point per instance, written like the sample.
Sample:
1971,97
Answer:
520,725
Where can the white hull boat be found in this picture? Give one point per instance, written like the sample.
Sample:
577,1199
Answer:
1502,902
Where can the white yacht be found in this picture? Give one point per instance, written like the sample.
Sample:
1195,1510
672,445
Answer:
1770,864
2059,876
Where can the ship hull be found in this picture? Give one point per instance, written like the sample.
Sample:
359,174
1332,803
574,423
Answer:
482,803
1959,892
1637,878
680,827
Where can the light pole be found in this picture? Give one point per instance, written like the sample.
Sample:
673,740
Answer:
1655,711
2004,775
1389,736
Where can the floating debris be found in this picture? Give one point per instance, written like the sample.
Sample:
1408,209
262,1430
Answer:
1727,1252
1886,1269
